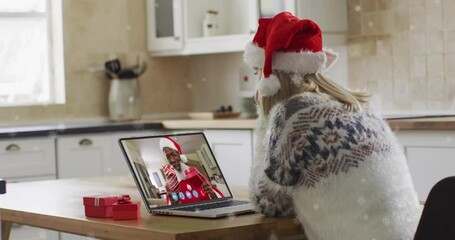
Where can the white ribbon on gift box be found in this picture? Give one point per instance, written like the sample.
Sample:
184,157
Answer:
97,198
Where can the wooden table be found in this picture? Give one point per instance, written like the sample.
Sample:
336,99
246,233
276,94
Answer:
57,205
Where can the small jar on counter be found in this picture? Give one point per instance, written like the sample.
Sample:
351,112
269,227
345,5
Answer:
210,26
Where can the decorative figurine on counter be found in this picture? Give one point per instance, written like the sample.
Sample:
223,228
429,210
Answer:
323,154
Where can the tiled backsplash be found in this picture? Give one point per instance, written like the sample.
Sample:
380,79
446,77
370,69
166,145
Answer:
404,52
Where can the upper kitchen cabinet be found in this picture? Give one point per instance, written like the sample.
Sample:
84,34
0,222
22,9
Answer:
190,27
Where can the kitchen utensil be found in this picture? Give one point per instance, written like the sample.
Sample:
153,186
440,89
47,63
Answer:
127,73
113,66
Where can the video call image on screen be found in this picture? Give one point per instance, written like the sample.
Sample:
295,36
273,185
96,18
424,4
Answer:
175,170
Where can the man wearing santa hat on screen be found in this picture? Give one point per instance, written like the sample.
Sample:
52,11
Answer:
183,183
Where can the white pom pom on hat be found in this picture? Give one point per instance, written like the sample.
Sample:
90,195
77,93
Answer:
168,142
288,44
269,86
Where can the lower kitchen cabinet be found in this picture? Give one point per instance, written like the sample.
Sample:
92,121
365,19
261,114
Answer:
27,158
91,155
233,150
30,159
430,156
23,232
83,156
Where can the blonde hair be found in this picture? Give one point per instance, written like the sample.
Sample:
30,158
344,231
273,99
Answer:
317,83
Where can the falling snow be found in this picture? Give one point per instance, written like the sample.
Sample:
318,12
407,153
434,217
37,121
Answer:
386,221
273,237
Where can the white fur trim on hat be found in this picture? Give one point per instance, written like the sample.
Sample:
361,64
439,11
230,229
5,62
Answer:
269,86
254,55
164,142
331,58
296,62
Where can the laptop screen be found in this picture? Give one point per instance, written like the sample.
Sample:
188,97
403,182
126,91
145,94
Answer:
174,169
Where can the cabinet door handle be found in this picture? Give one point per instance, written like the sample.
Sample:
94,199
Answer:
85,142
13,148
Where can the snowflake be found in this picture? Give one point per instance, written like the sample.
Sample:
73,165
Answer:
361,200
273,237
231,217
386,221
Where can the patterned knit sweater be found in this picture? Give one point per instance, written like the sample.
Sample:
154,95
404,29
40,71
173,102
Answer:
342,174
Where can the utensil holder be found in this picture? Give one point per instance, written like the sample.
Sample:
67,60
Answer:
124,100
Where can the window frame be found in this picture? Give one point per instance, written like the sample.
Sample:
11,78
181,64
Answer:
55,85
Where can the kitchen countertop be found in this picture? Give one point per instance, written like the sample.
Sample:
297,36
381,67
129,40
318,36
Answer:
236,123
439,123
435,123
409,122
62,129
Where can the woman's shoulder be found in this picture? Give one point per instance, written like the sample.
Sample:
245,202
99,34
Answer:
316,107
312,102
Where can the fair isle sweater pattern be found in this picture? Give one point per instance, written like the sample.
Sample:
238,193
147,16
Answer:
323,141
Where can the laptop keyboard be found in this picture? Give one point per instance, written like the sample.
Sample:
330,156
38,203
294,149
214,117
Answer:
213,205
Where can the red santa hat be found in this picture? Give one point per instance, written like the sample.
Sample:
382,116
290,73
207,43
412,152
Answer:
288,44
168,142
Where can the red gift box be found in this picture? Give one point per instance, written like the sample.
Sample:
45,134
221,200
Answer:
193,176
125,209
99,206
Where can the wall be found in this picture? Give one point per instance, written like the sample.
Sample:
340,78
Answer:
93,29
403,51
214,80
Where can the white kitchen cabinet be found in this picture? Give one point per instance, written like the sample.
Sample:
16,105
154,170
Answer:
83,155
21,232
430,156
233,150
175,26
32,157
90,155
29,159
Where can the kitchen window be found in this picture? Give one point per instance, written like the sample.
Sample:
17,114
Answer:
31,53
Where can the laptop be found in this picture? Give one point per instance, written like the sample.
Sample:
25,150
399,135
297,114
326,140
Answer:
177,174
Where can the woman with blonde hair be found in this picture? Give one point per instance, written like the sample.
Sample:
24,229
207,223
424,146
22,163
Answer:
322,153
